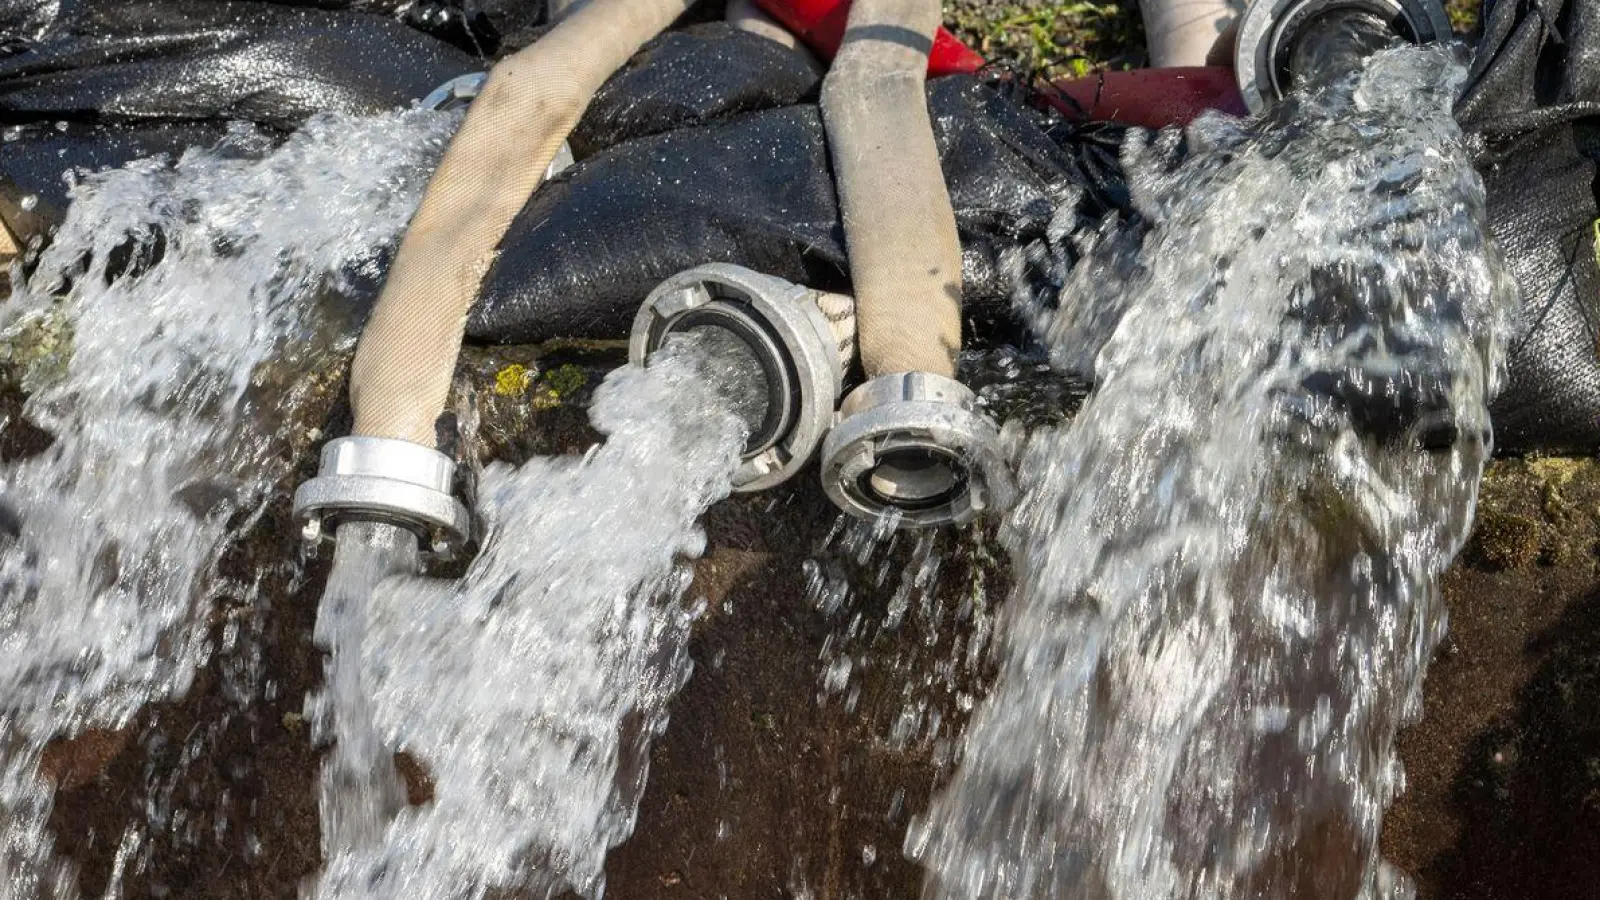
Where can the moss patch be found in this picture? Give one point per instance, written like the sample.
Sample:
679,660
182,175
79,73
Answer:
36,351
558,385
513,380
1505,541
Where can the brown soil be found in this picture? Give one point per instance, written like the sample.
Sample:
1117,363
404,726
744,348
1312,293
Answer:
759,789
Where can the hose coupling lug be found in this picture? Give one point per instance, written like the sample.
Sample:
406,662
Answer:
915,447
396,482
792,339
456,93
459,92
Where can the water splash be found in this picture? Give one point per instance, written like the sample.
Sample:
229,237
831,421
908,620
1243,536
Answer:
190,289
531,688
903,623
1227,564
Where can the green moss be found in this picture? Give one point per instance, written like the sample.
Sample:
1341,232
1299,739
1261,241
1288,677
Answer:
566,380
513,380
558,386
1554,474
1463,15
1505,541
1558,470
36,351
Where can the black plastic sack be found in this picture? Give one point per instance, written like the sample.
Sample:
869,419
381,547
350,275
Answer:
487,28
757,190
693,77
141,60
93,83
1533,101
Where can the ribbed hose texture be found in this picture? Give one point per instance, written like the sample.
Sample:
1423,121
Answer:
401,376
900,231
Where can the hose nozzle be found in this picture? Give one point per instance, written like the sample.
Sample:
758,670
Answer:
784,337
388,481
1285,43
914,447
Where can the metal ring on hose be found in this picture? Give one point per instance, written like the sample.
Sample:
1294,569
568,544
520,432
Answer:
915,447
1269,26
385,480
782,325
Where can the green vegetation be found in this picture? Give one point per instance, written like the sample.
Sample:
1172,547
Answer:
1058,39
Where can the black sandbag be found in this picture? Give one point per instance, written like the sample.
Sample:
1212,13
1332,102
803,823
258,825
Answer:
90,84
1533,92
692,77
484,28
583,253
757,190
34,160
139,60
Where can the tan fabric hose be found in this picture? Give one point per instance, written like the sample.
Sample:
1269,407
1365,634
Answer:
401,376
1187,32
900,231
746,16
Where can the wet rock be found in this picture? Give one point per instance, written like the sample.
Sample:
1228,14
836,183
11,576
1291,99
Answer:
73,763
419,784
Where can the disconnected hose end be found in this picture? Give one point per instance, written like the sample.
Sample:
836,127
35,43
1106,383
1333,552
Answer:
1285,44
915,450
795,342
384,480
516,127
911,442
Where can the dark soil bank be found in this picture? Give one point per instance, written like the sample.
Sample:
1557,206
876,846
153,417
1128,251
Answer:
766,785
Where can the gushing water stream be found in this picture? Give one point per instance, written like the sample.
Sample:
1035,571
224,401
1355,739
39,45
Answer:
191,291
529,689
1226,566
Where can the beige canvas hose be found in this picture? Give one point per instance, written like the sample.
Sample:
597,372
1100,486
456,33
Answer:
401,376
900,230
1188,32
746,16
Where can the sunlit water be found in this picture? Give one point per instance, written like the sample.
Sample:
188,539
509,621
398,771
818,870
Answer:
530,689
1226,566
190,289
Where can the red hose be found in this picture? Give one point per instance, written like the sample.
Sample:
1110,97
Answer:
1150,98
820,24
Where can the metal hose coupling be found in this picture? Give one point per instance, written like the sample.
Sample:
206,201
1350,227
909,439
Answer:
914,447
371,479
459,92
1281,41
797,340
